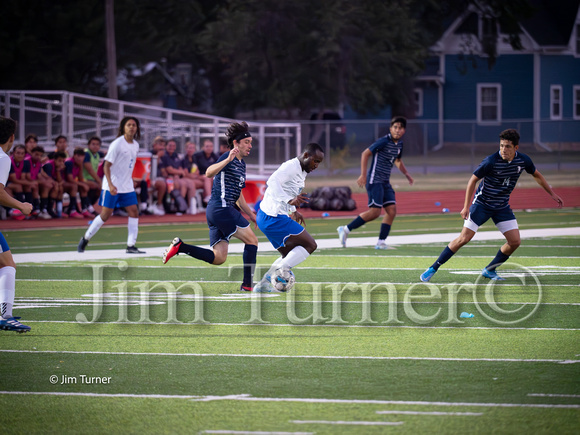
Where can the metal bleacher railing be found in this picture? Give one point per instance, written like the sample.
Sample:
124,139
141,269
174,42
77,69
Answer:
78,117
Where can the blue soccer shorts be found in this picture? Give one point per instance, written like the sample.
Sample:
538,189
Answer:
118,200
278,228
223,222
3,244
503,218
380,195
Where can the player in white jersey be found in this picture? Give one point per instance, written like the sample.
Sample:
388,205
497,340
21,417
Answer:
118,189
283,194
7,266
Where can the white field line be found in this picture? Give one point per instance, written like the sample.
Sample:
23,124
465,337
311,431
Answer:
248,432
421,239
349,423
438,413
248,398
210,324
329,357
574,396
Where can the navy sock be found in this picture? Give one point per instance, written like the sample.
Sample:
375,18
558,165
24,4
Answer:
249,257
385,229
203,254
358,222
500,258
445,255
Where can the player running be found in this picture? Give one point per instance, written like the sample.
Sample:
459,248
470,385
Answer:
223,218
283,194
385,152
499,174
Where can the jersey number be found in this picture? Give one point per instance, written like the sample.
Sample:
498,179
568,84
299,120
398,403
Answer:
506,182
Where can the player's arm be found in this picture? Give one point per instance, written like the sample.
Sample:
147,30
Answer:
364,160
8,201
471,184
92,172
214,169
401,166
542,182
107,170
245,207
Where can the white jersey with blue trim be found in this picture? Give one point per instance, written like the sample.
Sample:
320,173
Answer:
385,152
499,178
285,184
122,156
229,182
5,164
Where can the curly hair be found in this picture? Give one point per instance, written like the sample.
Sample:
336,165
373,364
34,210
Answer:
124,121
7,129
510,134
237,131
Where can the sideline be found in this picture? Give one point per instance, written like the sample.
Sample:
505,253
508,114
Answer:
237,248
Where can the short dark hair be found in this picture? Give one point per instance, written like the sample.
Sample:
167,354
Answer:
7,129
312,148
59,155
510,134
79,151
37,149
19,146
97,138
400,119
124,121
60,137
30,136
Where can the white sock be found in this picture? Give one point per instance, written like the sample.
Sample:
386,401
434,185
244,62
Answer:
7,290
275,265
346,230
133,226
95,226
381,241
295,257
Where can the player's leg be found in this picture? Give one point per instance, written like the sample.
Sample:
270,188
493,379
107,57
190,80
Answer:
390,206
250,240
108,203
375,194
478,215
506,222
129,201
8,290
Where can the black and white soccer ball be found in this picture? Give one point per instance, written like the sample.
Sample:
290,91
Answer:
283,279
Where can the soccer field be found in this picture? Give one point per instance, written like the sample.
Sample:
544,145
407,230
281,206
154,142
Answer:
359,346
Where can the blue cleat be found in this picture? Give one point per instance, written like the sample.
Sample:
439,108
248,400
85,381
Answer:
12,324
428,274
264,286
491,275
342,235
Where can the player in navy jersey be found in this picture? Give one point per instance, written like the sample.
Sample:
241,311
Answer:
499,174
385,152
223,218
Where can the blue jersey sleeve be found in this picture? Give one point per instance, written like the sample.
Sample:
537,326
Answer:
26,167
529,165
68,167
378,145
87,157
485,167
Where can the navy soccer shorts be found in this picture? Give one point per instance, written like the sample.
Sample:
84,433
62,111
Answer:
380,194
503,218
223,222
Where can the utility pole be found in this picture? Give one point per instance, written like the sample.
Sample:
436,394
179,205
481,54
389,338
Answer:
111,49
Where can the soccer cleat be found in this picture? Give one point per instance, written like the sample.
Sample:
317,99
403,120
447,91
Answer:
87,214
264,286
383,245
244,288
44,215
172,250
342,235
82,245
134,250
35,213
12,324
491,274
76,215
428,274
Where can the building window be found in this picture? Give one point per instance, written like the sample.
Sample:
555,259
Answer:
488,103
556,102
576,101
418,95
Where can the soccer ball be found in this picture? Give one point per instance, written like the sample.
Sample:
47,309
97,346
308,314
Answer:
283,279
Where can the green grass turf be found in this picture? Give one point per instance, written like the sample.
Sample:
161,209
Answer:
325,353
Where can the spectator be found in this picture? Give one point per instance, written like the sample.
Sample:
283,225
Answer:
204,159
20,187
30,142
75,183
192,171
45,184
224,147
60,145
159,183
54,169
91,163
175,172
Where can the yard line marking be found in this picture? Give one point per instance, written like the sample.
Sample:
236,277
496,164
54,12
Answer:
249,398
246,432
574,396
239,355
472,414
352,423
313,326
